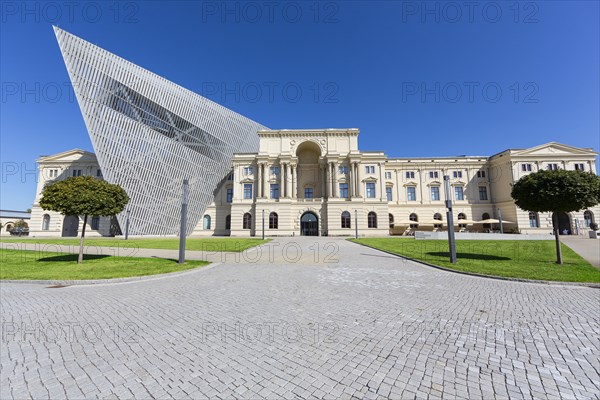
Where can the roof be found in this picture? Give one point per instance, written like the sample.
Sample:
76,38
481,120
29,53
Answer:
15,214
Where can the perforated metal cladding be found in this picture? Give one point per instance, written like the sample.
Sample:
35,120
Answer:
149,134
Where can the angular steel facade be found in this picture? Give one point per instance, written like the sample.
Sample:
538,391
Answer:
149,134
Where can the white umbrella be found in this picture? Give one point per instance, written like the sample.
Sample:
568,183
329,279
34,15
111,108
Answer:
405,222
465,221
494,221
432,222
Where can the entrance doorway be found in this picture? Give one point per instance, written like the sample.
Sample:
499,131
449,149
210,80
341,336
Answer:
309,224
70,226
564,223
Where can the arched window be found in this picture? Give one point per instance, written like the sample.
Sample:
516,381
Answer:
46,222
247,222
437,217
9,227
273,221
346,220
461,216
588,218
228,222
95,222
206,223
414,217
486,216
391,220
534,221
372,220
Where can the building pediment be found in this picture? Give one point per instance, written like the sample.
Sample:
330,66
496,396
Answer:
411,183
554,149
69,156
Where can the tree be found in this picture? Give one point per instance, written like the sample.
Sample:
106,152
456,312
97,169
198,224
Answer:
557,191
84,195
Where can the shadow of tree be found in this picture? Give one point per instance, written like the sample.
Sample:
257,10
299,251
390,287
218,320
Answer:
469,256
72,257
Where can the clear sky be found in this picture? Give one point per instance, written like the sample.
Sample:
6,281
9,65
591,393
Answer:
417,78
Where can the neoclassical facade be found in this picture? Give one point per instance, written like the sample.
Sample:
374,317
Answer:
318,182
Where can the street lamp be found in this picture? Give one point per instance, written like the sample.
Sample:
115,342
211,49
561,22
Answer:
449,218
263,224
127,224
356,224
500,218
184,204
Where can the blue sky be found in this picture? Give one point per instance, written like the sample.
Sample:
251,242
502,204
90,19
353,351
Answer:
418,79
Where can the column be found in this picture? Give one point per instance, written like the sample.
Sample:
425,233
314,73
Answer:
382,193
281,179
285,180
323,168
349,180
334,190
259,180
294,181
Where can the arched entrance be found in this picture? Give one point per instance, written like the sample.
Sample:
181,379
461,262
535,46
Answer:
309,224
564,223
70,226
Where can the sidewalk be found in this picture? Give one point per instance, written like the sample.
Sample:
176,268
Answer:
585,247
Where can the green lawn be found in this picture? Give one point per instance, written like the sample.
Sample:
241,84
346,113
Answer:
200,244
23,264
506,258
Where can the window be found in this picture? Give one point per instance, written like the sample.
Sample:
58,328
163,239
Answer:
388,175
388,193
98,173
457,174
413,217
76,172
46,222
95,225
485,216
588,218
370,169
247,190
534,221
247,221
552,167
411,193
370,190
483,193
274,190
437,217
230,176
229,195
343,170
525,167
372,220
435,193
344,190
308,192
52,173
579,167
461,216
410,175
458,193
273,221
275,170
228,222
247,170
206,224
433,174
346,219
481,174
391,220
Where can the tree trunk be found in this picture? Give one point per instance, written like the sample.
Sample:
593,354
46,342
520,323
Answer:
557,238
80,258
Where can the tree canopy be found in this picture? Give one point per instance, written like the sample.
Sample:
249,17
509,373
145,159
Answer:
557,191
84,195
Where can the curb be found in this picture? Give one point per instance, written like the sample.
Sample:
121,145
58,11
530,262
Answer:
501,278
110,281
